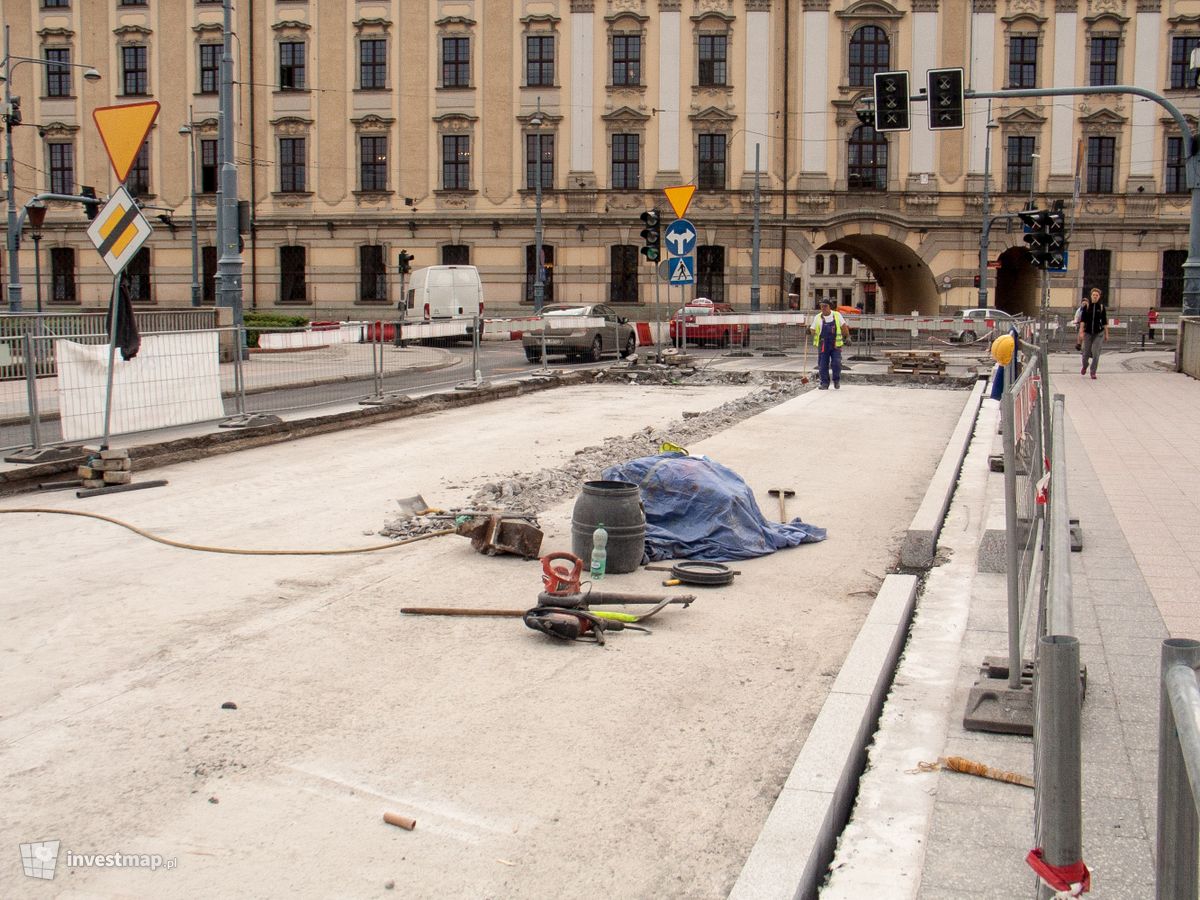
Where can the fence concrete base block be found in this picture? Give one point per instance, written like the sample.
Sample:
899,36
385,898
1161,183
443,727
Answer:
994,706
46,454
251,420
1076,537
796,844
992,556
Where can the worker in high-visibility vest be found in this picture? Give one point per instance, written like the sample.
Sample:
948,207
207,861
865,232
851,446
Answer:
830,332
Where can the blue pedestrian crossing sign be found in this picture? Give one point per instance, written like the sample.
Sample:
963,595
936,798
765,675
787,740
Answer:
683,270
680,238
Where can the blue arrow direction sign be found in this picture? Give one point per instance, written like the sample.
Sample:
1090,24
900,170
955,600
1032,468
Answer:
680,238
683,270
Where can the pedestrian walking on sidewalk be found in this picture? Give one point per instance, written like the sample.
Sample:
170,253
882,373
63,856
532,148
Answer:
1093,330
830,333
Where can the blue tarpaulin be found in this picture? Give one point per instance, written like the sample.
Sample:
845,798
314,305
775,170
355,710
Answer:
698,509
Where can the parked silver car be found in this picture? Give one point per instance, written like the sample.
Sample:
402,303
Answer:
586,342
971,324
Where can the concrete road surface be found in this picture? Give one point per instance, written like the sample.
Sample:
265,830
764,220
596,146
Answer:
534,769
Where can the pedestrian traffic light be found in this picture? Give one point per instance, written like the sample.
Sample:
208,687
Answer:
12,115
651,236
891,101
404,262
945,98
91,208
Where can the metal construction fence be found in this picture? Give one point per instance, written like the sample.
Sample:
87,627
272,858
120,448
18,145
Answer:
1177,868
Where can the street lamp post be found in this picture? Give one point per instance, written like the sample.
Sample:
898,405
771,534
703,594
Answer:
983,234
539,285
13,237
36,211
188,130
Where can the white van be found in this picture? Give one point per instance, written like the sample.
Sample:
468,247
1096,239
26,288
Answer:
443,292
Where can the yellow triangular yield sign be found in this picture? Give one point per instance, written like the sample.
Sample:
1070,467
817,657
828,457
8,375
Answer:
123,130
680,197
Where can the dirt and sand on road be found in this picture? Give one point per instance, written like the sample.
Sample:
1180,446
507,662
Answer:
533,768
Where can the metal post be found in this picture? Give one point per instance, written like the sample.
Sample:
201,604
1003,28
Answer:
476,339
658,314
13,234
229,265
987,225
1011,551
239,374
539,286
189,130
37,269
1176,869
114,308
35,416
1059,796
754,283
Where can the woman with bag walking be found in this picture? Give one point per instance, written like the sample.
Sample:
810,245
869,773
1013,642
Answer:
1093,330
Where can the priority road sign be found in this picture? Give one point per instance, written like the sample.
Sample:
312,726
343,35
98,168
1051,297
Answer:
680,238
683,270
119,230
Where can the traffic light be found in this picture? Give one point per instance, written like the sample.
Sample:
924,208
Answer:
1056,249
12,115
1037,224
404,262
91,208
651,236
891,101
945,98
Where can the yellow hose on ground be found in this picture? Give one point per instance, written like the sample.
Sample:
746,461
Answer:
182,545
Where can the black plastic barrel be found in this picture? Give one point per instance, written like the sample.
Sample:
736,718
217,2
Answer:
618,505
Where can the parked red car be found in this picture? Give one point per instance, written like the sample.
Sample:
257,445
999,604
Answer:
695,330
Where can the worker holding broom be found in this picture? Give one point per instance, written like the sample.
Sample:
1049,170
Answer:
830,333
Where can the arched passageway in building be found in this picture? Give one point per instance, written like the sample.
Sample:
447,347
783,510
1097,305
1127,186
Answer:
1017,285
904,281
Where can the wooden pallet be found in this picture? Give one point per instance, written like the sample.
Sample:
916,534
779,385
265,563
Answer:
916,362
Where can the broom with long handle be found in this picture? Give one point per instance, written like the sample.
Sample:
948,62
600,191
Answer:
804,377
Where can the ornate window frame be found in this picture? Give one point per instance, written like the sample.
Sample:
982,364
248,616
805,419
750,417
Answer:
709,23
1025,25
1105,25
292,127
290,31
549,129
376,29
372,126
625,23
626,120
1179,27
712,121
456,27
867,12
1103,122
1021,122
456,124
541,26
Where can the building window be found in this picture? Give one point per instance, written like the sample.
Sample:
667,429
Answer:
1022,61
62,275
137,272
374,162
133,71
710,272
547,272
1102,66
833,264
208,278
870,52
210,68
712,55
623,286
539,60
1171,294
62,168
819,265
456,255
55,4
1101,164
292,165
1019,175
710,169
1176,175
291,66
626,60
866,167
208,166
292,286
372,274
626,162
1181,56
58,72
456,62
456,162
532,142
138,179
372,64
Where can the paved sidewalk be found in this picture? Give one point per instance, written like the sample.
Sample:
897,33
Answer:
1134,463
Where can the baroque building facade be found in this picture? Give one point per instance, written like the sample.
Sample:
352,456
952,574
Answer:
365,127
